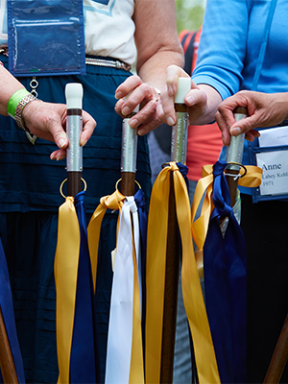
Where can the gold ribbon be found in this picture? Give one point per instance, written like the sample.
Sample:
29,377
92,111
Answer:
66,271
192,294
199,228
115,202
137,364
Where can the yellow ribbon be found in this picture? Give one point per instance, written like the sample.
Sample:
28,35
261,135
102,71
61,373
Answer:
199,228
192,294
115,202
66,271
137,364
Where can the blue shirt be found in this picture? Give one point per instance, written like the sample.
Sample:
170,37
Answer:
233,32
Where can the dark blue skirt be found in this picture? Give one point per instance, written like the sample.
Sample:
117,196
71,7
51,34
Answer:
29,201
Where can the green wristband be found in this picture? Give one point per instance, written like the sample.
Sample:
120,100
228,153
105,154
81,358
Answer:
14,101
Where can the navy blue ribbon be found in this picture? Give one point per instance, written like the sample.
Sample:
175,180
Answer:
143,219
6,305
84,360
225,284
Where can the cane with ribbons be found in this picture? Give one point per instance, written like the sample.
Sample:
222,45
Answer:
77,346
169,231
124,360
218,234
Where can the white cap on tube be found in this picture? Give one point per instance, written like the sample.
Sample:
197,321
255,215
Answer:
183,87
74,95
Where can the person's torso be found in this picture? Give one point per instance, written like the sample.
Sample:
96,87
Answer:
109,28
274,74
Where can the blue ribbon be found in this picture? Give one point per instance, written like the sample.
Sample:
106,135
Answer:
143,219
225,284
84,361
6,304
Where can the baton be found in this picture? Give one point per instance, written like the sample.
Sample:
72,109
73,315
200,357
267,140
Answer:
74,125
178,154
234,156
128,155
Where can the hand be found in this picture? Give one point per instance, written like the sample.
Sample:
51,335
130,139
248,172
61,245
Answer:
264,110
139,94
48,121
196,99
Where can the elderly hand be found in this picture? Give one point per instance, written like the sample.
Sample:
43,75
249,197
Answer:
134,92
202,100
48,121
264,110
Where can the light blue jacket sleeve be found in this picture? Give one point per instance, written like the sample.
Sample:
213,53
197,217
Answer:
223,46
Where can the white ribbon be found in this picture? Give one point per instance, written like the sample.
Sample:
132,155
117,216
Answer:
119,342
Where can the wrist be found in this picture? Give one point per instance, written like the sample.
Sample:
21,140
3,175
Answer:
17,104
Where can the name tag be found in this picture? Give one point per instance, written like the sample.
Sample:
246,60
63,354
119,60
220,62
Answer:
275,172
273,137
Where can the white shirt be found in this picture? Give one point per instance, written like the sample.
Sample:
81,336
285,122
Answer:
109,28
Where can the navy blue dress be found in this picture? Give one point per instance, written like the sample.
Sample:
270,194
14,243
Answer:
29,202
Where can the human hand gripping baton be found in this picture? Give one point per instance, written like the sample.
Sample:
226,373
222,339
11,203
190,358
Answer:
128,156
74,96
178,154
234,156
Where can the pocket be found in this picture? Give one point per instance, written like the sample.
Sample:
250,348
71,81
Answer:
46,37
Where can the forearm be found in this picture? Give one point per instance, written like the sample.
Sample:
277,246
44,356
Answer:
153,71
8,86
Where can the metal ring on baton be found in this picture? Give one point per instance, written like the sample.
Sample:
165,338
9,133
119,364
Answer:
241,166
64,181
136,182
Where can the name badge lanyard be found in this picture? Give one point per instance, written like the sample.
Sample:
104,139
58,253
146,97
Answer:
257,73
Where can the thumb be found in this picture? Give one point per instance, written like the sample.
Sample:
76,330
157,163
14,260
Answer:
244,125
59,135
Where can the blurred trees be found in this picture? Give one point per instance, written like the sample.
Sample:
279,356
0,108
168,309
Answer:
190,14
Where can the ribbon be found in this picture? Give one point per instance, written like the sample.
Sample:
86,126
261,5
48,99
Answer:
6,307
66,270
124,361
225,284
77,345
143,220
192,294
113,202
199,227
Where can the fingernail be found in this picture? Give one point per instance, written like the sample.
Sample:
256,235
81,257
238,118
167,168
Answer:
62,142
141,132
125,111
133,123
170,90
190,99
83,142
118,95
170,121
52,156
235,131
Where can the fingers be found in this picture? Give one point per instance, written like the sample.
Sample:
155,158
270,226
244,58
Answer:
140,96
58,155
127,86
166,110
223,128
145,115
173,74
89,125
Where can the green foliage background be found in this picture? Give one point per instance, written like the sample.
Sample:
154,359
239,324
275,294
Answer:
190,14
